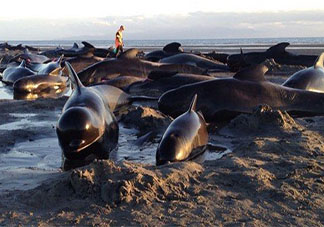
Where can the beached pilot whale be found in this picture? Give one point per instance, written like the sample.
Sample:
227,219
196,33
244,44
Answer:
185,138
116,97
41,83
81,62
127,64
223,99
30,57
195,60
311,79
12,74
277,52
48,78
87,128
46,68
160,82
47,93
168,50
123,82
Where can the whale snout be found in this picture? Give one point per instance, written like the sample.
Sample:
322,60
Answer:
171,149
77,129
162,162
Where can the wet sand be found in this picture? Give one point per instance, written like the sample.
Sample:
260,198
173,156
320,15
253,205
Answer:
274,174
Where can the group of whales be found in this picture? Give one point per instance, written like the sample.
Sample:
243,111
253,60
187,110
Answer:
191,105
88,129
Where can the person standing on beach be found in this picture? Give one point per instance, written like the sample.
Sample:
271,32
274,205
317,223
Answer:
119,40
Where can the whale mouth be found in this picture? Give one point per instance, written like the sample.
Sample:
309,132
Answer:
162,162
76,144
75,141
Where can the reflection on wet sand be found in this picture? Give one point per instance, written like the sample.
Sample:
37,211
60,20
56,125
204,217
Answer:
49,93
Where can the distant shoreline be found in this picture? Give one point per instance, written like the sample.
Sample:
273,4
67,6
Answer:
307,45
309,49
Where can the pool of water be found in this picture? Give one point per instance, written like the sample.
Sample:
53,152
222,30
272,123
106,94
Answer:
6,92
28,163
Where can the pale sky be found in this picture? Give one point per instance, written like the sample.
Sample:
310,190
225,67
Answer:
59,19
103,8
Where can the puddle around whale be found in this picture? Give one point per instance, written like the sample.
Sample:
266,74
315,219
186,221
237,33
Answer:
24,121
27,164
6,92
127,150
210,156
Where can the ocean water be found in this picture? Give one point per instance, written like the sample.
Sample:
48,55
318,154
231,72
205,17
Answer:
185,42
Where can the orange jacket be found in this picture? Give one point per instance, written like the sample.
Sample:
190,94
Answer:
119,38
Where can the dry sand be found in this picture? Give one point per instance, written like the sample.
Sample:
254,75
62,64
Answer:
274,176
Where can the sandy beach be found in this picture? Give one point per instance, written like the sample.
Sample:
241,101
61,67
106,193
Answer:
271,175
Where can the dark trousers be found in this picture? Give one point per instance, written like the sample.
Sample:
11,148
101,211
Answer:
119,50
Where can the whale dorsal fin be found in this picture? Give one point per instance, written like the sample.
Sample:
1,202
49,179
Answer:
129,54
278,49
23,64
193,104
252,73
26,51
75,46
74,77
56,72
60,59
88,45
319,61
156,75
172,47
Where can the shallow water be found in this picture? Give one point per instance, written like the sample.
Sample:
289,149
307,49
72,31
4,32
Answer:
29,163
6,92
23,122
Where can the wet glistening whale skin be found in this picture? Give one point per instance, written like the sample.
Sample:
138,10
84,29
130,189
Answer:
87,128
311,79
185,138
222,99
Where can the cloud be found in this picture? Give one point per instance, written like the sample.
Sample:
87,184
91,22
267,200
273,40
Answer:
197,25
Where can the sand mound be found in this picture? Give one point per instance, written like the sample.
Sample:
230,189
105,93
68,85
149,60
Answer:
263,120
134,182
146,119
115,184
